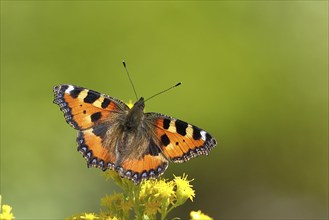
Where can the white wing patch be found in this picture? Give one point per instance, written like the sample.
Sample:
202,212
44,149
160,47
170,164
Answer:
203,135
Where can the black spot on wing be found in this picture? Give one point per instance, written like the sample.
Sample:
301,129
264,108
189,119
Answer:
166,123
106,103
91,96
153,149
96,116
100,130
196,133
75,92
181,127
165,140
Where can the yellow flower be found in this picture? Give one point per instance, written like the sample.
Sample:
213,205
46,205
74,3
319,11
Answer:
107,216
89,216
130,104
146,189
6,213
199,216
163,189
111,218
184,189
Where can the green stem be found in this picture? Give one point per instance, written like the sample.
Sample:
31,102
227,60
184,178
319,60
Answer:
164,209
135,198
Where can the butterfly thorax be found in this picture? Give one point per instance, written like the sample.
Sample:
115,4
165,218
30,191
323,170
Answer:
132,137
135,116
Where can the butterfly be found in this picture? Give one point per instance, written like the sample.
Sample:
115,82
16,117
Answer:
137,145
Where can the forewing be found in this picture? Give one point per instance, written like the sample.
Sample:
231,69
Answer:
94,114
178,140
84,108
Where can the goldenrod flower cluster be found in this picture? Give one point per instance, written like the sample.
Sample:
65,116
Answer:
86,216
151,199
199,216
5,212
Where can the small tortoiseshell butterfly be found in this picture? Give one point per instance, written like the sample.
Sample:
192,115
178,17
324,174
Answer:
137,145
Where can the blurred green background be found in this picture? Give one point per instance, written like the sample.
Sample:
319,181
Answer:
254,73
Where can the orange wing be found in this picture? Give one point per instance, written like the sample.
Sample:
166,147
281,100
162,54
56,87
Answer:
147,167
179,140
84,108
91,113
91,147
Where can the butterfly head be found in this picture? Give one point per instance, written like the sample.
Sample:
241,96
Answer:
140,104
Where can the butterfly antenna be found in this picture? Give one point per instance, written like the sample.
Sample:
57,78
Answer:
164,91
131,82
